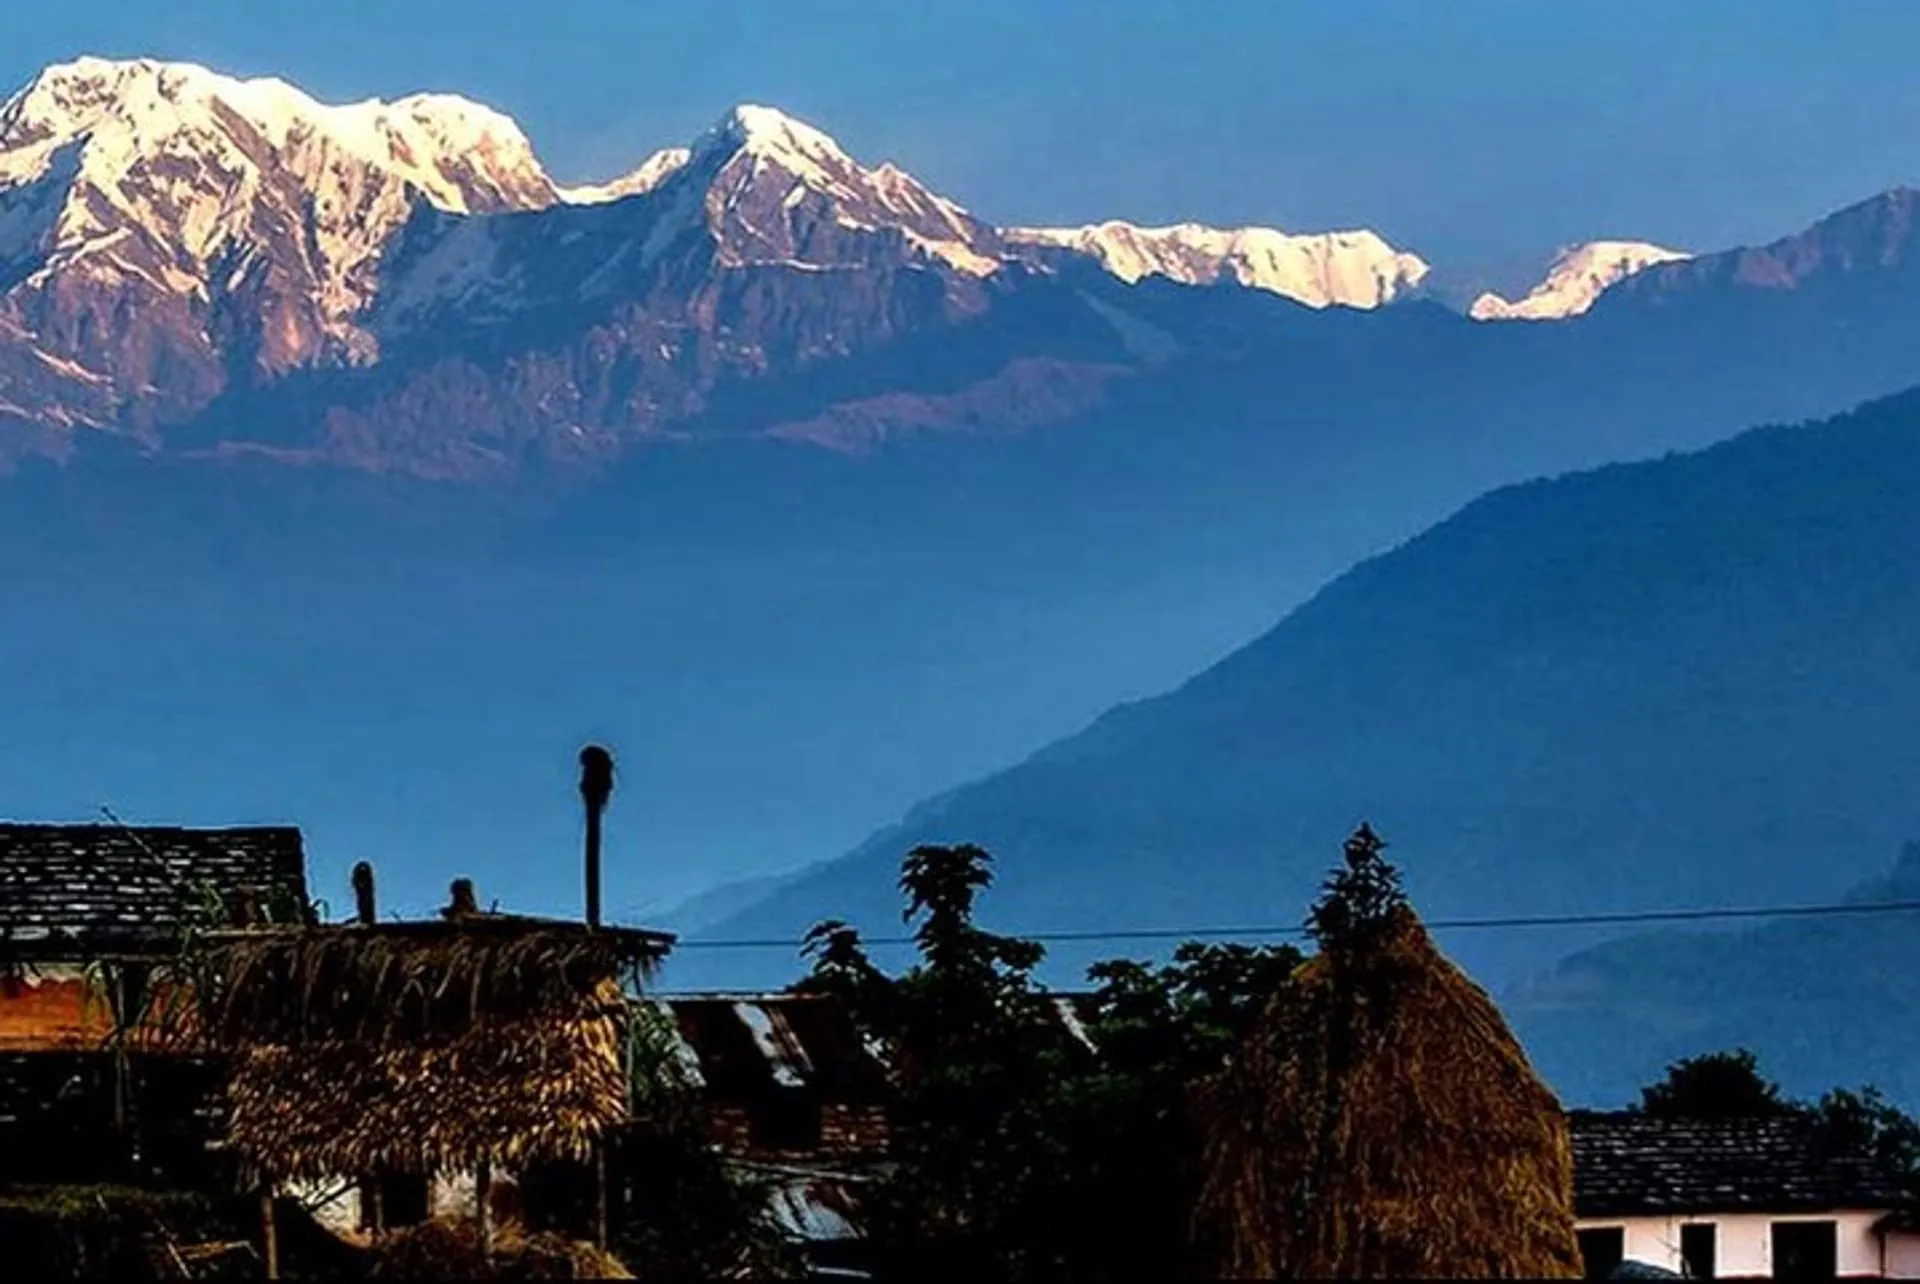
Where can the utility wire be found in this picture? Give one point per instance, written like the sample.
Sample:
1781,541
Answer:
172,875
1847,909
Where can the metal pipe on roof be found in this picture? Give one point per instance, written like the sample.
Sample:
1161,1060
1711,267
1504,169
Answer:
596,786
363,901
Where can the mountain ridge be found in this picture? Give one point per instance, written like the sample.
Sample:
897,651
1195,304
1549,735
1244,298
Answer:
253,249
260,287
1535,699
1612,1016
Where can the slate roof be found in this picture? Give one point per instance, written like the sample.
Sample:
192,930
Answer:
72,889
1627,1165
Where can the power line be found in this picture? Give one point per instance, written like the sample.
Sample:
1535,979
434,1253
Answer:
1270,931
173,876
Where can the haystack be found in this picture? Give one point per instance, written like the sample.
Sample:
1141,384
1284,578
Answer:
420,1047
1382,1122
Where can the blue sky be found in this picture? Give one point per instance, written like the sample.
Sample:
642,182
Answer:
1479,134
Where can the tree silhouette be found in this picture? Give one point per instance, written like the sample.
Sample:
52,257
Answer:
1358,899
1715,1085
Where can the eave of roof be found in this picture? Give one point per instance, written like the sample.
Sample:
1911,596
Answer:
494,925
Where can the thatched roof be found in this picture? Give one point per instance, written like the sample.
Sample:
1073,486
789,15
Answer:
407,981
420,1046
1384,1123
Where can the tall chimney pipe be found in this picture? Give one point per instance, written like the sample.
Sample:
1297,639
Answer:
363,903
596,786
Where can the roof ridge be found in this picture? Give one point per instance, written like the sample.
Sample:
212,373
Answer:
148,829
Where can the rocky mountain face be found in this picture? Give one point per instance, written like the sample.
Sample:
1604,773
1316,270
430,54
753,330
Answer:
1866,249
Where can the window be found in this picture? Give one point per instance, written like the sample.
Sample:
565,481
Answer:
1806,1250
1698,1245
1601,1249
394,1199
787,1119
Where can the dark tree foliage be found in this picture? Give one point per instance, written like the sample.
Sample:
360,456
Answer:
1019,1152
1865,1122
681,1210
976,1062
1729,1085
1716,1085
687,1214
1359,898
1158,1030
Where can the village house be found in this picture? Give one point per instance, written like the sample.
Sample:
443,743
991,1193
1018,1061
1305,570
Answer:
86,913
91,1087
1733,1199
782,1076
793,1094
791,1089
387,1072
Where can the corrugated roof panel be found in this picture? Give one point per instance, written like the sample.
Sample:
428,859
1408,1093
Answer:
747,1042
777,1043
686,1061
815,1210
1064,1005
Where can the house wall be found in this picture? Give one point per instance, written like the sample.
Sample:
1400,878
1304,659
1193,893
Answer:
1745,1241
48,1009
1903,1256
339,1204
333,1204
453,1195
846,1131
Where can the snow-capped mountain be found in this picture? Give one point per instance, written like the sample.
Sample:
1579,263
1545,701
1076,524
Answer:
176,243
1577,277
168,233
759,190
1355,269
162,226
772,189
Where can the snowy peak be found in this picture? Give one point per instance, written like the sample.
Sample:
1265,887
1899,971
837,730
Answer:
768,188
1577,277
772,134
1355,269
460,155
218,219
652,172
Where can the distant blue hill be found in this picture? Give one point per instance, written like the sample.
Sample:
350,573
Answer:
1687,682
1825,1001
